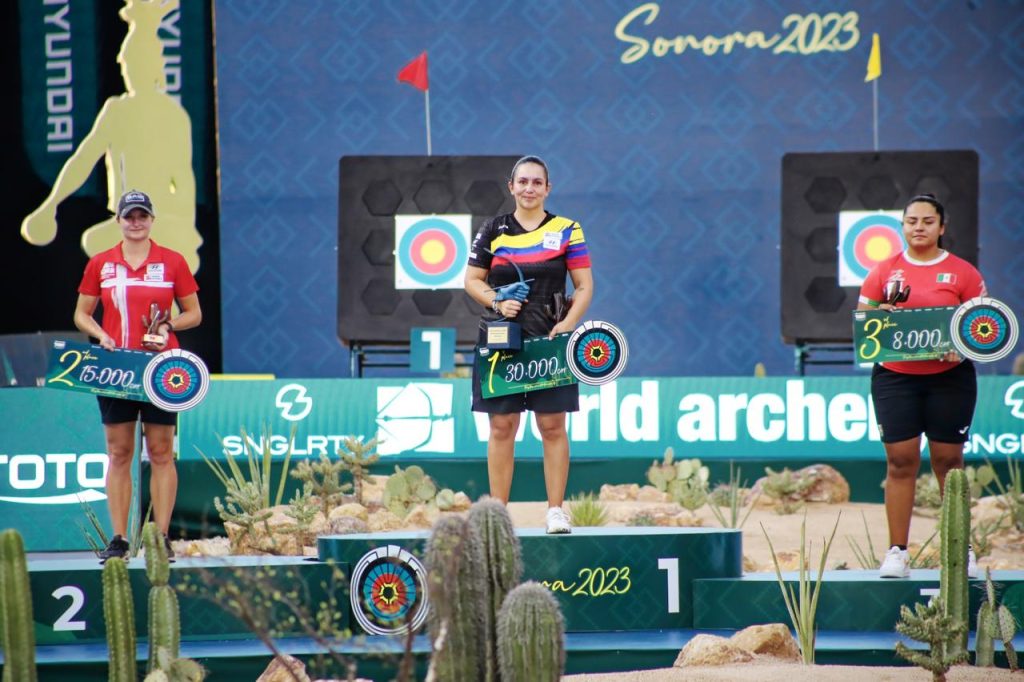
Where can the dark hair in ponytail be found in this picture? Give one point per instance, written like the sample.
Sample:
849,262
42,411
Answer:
928,198
530,159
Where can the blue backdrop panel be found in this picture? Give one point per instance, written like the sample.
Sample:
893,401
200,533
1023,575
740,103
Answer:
671,163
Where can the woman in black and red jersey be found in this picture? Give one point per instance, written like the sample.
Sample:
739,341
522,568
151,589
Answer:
128,279
544,247
931,397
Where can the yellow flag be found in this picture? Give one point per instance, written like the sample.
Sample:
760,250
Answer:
874,60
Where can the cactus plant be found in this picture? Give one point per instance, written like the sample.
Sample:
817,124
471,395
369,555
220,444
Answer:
954,534
17,632
994,622
358,457
932,625
503,565
119,615
531,636
405,489
164,615
456,578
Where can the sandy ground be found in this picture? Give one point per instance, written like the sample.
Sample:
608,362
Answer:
1007,550
794,672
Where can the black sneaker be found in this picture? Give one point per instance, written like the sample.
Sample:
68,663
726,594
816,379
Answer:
167,545
118,548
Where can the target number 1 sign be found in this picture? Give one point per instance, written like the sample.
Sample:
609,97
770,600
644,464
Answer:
432,349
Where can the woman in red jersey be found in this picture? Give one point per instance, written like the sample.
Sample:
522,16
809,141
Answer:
128,279
931,397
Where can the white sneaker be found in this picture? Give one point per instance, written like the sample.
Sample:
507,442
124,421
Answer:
972,563
558,521
896,564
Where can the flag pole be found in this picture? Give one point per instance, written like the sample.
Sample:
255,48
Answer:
874,91
426,97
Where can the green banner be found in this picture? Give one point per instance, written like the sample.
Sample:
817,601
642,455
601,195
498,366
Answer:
59,84
52,461
816,418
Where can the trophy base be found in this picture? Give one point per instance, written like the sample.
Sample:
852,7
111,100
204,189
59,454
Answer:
153,340
504,336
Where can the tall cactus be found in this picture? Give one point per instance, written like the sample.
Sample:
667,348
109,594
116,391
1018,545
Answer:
164,615
531,636
119,614
955,533
455,571
18,632
503,567
994,622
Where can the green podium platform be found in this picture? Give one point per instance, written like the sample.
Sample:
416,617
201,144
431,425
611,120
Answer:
606,579
853,601
67,595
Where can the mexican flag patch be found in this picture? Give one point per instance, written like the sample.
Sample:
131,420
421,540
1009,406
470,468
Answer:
945,278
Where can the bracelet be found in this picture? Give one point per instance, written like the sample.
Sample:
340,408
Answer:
170,327
494,305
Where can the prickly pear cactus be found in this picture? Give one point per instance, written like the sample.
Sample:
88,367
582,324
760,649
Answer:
405,489
660,474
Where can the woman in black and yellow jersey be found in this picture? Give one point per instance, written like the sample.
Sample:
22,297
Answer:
545,247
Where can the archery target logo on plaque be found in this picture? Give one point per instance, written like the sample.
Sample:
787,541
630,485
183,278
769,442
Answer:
176,380
866,238
431,251
596,353
983,329
389,591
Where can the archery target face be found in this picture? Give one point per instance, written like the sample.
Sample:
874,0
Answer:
596,352
866,238
176,380
984,329
431,251
389,591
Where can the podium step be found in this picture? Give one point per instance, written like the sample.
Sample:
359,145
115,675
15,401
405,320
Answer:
606,579
67,594
854,601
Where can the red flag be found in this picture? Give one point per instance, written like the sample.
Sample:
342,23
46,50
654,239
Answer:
415,73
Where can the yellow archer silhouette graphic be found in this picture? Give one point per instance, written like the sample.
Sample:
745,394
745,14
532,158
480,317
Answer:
145,137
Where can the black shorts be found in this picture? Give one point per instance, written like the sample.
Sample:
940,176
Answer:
120,411
544,401
941,406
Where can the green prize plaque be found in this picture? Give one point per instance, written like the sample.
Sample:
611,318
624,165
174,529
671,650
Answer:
86,367
902,334
540,364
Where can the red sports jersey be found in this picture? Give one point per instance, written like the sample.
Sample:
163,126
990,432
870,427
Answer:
946,280
163,277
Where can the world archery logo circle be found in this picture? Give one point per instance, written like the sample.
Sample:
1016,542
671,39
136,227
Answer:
984,329
431,251
866,238
389,591
596,353
176,380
